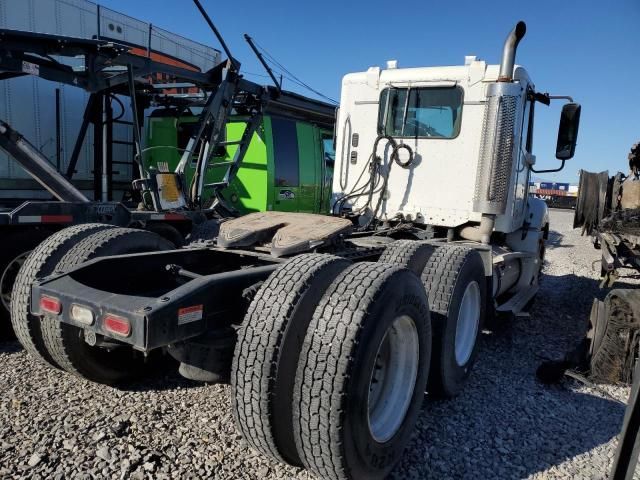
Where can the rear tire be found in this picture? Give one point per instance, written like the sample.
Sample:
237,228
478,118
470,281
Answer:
168,232
409,254
457,288
65,343
40,263
16,247
362,373
267,350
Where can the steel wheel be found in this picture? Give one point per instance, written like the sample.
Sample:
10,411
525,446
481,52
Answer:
393,378
467,324
9,277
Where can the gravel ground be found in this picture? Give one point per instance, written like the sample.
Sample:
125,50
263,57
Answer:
504,425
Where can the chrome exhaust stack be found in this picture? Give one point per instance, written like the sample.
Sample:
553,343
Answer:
509,52
498,148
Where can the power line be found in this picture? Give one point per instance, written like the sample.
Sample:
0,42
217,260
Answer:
290,76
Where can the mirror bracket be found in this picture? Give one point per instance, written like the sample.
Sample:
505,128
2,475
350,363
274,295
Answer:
549,171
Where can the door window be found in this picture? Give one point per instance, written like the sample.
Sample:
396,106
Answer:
285,151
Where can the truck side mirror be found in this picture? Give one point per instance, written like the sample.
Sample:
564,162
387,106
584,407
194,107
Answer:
568,131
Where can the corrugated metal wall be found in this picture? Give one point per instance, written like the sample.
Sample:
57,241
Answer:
28,103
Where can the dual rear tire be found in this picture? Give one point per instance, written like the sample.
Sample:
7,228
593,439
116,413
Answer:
454,279
61,345
41,262
66,344
333,358
457,288
331,365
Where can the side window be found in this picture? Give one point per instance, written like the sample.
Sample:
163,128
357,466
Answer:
328,152
285,151
428,112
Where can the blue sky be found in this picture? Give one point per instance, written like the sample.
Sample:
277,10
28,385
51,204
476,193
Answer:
588,49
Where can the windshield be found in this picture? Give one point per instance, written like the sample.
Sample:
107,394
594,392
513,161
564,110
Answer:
429,112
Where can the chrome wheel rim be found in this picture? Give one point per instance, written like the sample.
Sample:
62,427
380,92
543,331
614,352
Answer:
467,323
393,378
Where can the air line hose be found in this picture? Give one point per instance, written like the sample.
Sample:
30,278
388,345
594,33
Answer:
376,175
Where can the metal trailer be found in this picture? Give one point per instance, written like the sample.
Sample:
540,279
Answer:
329,328
112,69
93,148
50,114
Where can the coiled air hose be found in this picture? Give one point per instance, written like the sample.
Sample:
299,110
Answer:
376,175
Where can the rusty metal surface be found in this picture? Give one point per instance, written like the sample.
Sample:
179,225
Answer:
630,193
288,233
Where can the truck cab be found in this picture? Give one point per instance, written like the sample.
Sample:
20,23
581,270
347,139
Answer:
438,113
450,150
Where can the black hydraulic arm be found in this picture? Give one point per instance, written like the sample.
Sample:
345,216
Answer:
263,62
235,64
38,166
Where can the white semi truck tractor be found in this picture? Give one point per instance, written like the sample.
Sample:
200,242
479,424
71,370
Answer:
331,328
450,149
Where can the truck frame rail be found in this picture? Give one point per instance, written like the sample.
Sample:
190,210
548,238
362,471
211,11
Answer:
178,299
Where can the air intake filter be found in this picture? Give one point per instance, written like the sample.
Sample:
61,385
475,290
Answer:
497,148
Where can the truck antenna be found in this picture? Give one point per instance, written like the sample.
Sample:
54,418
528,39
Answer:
264,63
234,63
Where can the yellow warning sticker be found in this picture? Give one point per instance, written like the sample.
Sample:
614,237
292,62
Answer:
168,187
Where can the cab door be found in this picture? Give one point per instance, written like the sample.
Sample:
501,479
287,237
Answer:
310,152
286,172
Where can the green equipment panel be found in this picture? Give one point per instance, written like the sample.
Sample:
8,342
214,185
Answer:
288,166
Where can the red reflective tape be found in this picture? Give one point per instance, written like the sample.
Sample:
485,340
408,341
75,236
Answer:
168,216
190,314
174,216
57,218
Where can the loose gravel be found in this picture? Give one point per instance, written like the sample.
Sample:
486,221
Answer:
504,424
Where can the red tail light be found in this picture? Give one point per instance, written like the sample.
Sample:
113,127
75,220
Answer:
50,305
118,325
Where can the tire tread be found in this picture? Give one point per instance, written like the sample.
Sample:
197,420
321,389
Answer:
324,368
257,352
411,254
42,262
55,333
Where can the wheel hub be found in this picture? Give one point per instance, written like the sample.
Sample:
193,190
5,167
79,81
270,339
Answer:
393,378
467,323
